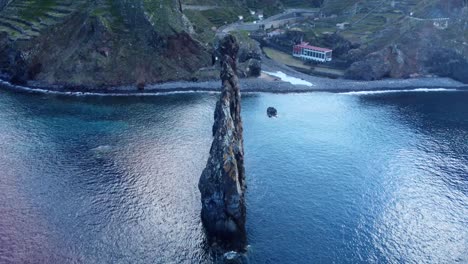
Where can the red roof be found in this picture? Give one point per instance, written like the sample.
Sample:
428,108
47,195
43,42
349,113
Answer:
306,45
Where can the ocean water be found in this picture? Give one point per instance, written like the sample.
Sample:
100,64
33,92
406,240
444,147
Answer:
336,178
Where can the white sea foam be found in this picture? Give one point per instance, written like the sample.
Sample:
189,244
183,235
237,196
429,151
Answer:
123,93
426,90
286,78
102,149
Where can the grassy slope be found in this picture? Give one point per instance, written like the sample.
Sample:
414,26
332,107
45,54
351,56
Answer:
103,42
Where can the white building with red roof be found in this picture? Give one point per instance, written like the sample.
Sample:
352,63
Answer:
308,52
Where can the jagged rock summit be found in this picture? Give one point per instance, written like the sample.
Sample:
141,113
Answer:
222,183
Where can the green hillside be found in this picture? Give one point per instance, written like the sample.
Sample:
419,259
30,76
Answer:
117,42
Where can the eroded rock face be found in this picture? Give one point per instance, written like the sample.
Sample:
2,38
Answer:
12,63
250,59
222,183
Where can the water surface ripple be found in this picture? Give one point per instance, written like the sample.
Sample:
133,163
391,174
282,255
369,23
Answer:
337,178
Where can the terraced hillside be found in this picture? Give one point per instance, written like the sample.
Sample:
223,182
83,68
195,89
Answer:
23,20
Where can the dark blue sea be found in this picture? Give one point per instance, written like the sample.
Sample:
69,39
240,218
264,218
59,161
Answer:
336,178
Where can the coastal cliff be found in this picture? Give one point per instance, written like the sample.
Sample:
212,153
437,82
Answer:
222,183
96,44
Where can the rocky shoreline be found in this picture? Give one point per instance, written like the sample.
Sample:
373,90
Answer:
261,84
252,85
264,83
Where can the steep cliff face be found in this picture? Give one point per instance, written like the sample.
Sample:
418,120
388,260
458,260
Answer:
222,183
12,64
101,43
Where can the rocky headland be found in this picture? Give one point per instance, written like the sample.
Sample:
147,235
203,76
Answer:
222,183
95,44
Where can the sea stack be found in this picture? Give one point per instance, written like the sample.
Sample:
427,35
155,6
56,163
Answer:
222,183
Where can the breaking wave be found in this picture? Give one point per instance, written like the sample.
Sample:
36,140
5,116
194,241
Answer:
286,78
401,91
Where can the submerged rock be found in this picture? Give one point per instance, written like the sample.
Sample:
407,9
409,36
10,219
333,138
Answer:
272,112
222,183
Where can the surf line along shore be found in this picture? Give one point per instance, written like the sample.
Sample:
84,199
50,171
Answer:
222,183
251,85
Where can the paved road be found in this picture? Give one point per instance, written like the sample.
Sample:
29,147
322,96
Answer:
287,14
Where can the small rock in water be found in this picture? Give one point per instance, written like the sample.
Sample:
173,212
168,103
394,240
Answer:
272,112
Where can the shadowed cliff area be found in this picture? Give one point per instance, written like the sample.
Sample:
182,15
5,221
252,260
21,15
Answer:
222,183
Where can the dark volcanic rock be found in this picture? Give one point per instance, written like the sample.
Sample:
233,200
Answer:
272,112
250,68
388,62
12,62
250,59
447,63
222,183
254,68
249,50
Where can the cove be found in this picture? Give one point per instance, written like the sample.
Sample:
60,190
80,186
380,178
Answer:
348,178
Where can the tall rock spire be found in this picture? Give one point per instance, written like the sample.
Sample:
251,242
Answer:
222,183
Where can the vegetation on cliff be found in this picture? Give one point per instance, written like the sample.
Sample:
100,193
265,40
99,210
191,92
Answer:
98,43
389,39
